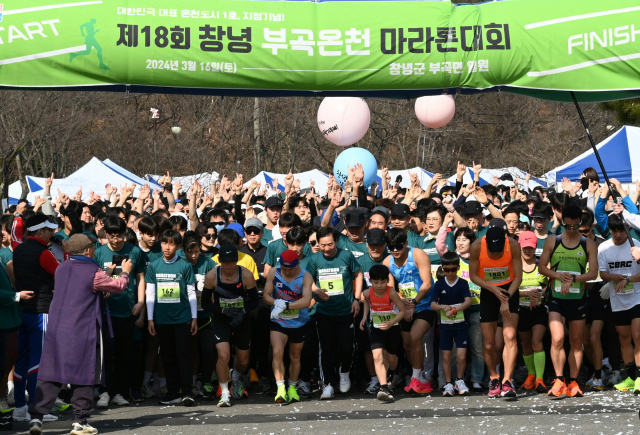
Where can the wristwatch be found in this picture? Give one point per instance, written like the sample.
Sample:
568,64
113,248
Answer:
286,304
413,301
573,278
628,278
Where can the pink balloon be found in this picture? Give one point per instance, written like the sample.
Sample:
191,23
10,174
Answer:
343,120
435,111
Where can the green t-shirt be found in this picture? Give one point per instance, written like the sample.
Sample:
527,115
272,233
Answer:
6,255
277,247
335,275
171,305
200,269
366,263
267,237
121,305
426,243
61,235
451,241
152,254
358,250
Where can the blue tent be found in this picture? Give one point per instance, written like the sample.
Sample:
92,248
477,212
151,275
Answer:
620,154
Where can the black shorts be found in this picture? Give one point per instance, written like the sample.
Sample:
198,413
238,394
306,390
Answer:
624,318
450,333
223,332
388,340
428,315
570,309
490,304
295,335
531,317
599,309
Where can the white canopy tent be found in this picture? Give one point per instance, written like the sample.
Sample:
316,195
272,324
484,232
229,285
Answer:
319,177
205,179
486,176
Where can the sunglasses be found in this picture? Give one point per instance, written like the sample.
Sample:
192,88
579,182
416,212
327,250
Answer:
312,243
449,269
585,231
209,236
252,231
218,222
571,226
396,247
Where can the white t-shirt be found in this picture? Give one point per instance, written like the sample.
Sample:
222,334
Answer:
617,260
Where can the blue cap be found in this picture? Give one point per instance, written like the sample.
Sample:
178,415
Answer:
237,228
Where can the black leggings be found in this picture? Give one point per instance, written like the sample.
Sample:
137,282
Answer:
118,355
309,355
206,349
335,334
175,351
260,340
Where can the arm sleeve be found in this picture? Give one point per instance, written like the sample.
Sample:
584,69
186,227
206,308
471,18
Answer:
207,302
238,209
461,200
441,239
458,187
601,215
49,262
104,283
193,300
151,299
629,205
591,203
252,299
362,196
632,219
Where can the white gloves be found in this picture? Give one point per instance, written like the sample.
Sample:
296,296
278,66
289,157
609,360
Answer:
278,307
604,290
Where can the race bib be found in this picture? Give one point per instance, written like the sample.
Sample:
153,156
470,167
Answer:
496,275
575,287
290,314
525,301
168,293
332,284
408,290
231,303
379,317
627,290
457,318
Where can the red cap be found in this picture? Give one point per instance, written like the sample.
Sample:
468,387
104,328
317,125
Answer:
528,239
289,258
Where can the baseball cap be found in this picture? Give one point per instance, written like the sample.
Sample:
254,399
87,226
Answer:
401,210
253,222
228,252
539,214
528,239
39,221
496,235
289,258
273,201
383,210
471,207
375,236
80,242
237,228
354,219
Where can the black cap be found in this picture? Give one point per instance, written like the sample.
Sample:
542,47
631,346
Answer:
354,219
365,211
471,207
539,214
496,235
273,201
227,252
375,236
401,210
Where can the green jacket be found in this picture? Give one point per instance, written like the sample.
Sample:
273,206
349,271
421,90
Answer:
10,313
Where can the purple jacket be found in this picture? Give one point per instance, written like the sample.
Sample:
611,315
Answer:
75,321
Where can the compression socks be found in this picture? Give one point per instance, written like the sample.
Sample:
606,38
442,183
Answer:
539,359
528,360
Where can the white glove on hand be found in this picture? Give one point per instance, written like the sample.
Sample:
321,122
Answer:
280,304
604,290
275,313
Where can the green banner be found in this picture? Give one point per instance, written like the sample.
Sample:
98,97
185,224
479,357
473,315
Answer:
534,47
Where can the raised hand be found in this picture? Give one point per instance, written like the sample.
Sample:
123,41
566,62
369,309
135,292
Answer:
462,169
359,172
288,179
477,168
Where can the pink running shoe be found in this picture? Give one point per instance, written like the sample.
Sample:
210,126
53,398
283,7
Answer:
413,385
418,387
508,390
495,389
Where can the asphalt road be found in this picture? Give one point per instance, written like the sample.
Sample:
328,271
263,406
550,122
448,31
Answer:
607,412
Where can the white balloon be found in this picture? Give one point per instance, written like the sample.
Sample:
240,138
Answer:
343,120
435,111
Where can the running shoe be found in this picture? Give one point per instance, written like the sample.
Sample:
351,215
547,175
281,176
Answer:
418,387
495,388
614,378
303,389
327,392
83,429
147,391
558,390
589,383
119,400
596,384
196,390
60,406
292,394
541,387
35,427
449,391
281,394
385,394
574,389
253,377
462,388
225,400
529,383
396,380
188,401
625,385
636,388
508,390
345,382
103,401
207,391
238,391
171,399
372,388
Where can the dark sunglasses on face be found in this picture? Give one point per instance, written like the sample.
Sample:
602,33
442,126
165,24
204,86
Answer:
218,222
585,231
312,243
571,226
395,247
449,269
209,236
252,231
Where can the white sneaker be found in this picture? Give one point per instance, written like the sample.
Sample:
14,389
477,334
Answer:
83,429
614,378
462,387
21,414
119,400
103,401
225,400
589,382
327,392
49,417
147,391
448,390
345,382
60,405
